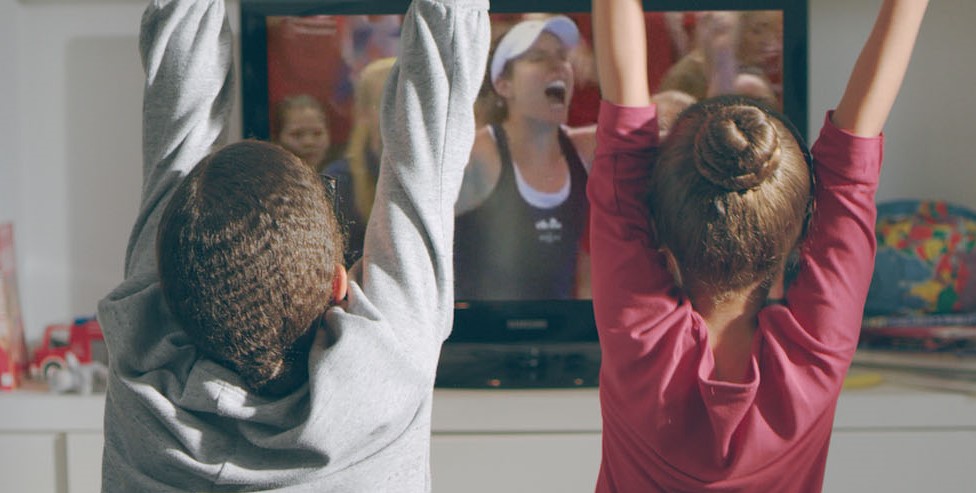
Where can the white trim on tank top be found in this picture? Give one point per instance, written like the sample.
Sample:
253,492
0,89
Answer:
541,200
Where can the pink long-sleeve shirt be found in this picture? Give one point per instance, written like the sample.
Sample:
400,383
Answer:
668,425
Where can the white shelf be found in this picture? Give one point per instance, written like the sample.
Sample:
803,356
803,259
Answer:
534,411
889,438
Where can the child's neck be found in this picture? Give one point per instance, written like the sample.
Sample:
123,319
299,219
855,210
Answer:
731,323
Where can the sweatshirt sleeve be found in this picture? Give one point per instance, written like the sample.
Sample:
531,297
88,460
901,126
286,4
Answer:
427,124
186,50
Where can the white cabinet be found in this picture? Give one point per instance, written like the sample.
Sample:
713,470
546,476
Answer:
515,462
50,443
889,438
903,440
56,462
516,441
31,461
83,461
910,461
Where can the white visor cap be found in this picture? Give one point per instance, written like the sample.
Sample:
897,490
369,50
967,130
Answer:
519,38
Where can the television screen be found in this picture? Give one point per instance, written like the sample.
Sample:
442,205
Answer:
312,75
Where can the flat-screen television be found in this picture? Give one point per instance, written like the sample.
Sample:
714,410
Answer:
523,315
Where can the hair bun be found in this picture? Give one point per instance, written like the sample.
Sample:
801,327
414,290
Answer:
737,148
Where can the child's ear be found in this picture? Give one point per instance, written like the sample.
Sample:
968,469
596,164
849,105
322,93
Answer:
340,284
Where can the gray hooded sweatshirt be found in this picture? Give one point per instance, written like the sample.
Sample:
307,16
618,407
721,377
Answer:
177,421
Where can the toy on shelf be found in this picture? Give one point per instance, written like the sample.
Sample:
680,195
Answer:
920,314
926,259
82,340
77,377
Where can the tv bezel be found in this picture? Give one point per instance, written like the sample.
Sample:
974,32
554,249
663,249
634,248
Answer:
537,322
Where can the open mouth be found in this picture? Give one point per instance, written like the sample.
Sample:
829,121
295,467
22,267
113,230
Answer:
556,92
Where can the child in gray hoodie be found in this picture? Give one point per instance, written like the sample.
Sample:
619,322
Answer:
243,357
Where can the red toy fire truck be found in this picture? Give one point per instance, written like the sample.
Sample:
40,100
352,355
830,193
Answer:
83,338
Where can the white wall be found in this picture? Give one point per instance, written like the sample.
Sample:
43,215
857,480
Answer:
71,184
9,109
79,82
928,149
69,170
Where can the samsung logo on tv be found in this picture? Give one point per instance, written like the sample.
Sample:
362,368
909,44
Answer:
527,324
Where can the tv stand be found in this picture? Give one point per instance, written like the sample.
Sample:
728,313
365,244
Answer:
522,365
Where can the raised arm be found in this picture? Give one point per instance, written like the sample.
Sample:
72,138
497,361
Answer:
480,175
428,130
187,55
719,35
880,68
621,52
627,269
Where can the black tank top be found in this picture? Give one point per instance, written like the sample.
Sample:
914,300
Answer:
508,249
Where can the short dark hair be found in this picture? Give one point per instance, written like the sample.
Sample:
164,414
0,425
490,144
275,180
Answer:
730,193
247,249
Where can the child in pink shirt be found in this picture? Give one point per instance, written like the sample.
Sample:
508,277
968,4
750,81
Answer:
715,376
